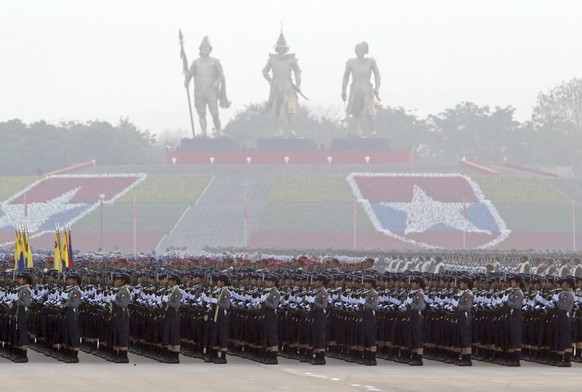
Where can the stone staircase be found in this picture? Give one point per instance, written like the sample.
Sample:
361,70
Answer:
209,221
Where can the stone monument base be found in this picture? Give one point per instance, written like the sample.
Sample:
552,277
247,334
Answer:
361,143
200,143
285,144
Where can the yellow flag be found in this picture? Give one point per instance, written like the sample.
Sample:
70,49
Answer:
16,249
57,252
64,251
29,261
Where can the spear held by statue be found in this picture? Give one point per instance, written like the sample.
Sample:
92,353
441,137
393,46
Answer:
185,69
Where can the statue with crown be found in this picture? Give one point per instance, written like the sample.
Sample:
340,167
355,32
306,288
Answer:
209,86
283,96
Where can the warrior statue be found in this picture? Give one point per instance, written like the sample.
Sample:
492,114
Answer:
283,94
361,101
209,86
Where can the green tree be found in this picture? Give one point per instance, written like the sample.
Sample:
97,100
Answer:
560,107
557,125
252,123
41,147
404,129
473,132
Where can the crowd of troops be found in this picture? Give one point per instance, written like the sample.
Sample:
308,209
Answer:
260,315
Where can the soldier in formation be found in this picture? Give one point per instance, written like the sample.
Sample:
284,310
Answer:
353,315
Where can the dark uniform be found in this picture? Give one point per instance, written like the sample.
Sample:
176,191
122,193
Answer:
515,298
417,306
119,338
563,340
319,342
171,322
72,336
219,324
271,334
464,327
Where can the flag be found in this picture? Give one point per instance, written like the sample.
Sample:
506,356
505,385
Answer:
70,249
28,247
57,252
21,251
16,249
64,251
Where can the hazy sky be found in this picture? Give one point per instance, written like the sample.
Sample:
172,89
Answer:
84,60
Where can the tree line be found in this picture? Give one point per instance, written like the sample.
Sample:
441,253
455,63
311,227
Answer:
552,137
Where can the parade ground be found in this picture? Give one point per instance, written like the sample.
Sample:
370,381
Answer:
142,374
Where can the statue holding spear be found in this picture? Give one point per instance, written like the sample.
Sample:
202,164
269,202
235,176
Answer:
209,86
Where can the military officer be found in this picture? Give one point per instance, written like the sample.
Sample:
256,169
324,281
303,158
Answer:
171,322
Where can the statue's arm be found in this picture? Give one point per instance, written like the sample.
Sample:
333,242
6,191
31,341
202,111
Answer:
219,73
345,80
377,77
297,73
266,72
190,74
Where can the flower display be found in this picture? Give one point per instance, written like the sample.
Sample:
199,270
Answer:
424,209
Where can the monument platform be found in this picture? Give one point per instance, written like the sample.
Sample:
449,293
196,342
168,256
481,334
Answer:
360,143
285,144
243,157
208,144
280,151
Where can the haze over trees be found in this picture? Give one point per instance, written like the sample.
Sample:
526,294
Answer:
553,136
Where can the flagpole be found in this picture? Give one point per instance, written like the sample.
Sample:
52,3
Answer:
246,218
16,249
464,227
25,211
355,222
134,227
574,225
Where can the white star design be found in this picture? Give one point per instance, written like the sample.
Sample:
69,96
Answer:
12,215
423,212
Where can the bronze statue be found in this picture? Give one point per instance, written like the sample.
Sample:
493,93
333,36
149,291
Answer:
283,93
209,87
362,99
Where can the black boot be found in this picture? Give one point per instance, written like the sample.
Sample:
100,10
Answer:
20,356
73,356
271,358
220,360
210,352
360,357
465,360
370,358
514,359
319,359
416,360
121,357
566,360
173,357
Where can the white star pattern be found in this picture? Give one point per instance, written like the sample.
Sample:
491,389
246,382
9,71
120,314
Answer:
12,215
423,212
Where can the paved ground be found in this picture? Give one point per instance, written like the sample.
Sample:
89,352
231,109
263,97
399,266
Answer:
94,374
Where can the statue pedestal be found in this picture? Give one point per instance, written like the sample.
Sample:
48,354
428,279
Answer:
361,143
208,144
285,144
